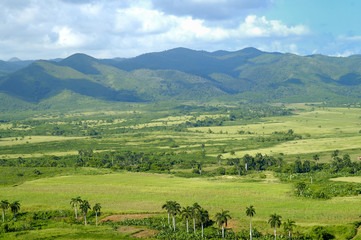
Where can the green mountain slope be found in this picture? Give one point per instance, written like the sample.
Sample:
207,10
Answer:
42,80
187,75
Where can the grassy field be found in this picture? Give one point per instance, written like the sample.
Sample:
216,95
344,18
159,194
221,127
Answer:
323,130
145,193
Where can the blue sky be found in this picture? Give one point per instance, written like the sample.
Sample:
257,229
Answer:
44,29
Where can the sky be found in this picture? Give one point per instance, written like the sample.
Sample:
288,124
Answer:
47,29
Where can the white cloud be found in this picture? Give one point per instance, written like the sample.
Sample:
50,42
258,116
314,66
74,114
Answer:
254,26
110,28
68,38
141,21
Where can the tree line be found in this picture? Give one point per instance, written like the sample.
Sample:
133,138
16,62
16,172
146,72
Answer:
201,216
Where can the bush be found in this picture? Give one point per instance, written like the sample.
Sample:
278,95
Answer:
320,233
220,171
320,195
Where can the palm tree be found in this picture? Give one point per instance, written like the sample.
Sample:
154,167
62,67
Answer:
187,213
167,206
275,221
84,206
174,210
4,204
196,207
250,212
219,157
288,226
74,203
96,209
203,217
15,207
316,158
222,219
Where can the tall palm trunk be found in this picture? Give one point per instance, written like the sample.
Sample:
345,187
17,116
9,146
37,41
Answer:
187,226
223,231
85,219
289,234
76,212
194,225
168,220
14,216
173,222
275,233
96,218
202,229
3,215
250,228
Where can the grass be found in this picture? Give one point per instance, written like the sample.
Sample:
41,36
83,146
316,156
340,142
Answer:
323,130
65,231
34,139
307,146
356,179
137,193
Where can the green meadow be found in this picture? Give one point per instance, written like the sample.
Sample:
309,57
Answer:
183,136
145,193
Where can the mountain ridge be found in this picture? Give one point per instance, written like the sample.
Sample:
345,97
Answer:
184,74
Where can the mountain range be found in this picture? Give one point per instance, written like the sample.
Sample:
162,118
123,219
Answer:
184,75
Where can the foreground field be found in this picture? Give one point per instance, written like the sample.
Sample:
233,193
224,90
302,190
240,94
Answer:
145,193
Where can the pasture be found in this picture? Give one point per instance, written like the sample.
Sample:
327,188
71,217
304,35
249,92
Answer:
145,193
322,129
183,136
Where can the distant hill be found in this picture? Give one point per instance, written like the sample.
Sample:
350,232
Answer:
12,65
186,75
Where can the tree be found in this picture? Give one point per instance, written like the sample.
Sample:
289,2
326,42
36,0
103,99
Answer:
167,206
335,154
300,186
96,209
174,210
195,209
222,219
288,226
316,158
203,217
84,206
219,157
15,207
4,204
250,212
187,213
275,222
74,203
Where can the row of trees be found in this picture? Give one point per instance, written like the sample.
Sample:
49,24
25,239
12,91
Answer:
195,212
200,215
84,206
14,207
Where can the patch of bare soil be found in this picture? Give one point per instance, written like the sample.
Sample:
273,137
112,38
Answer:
232,223
128,229
146,233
